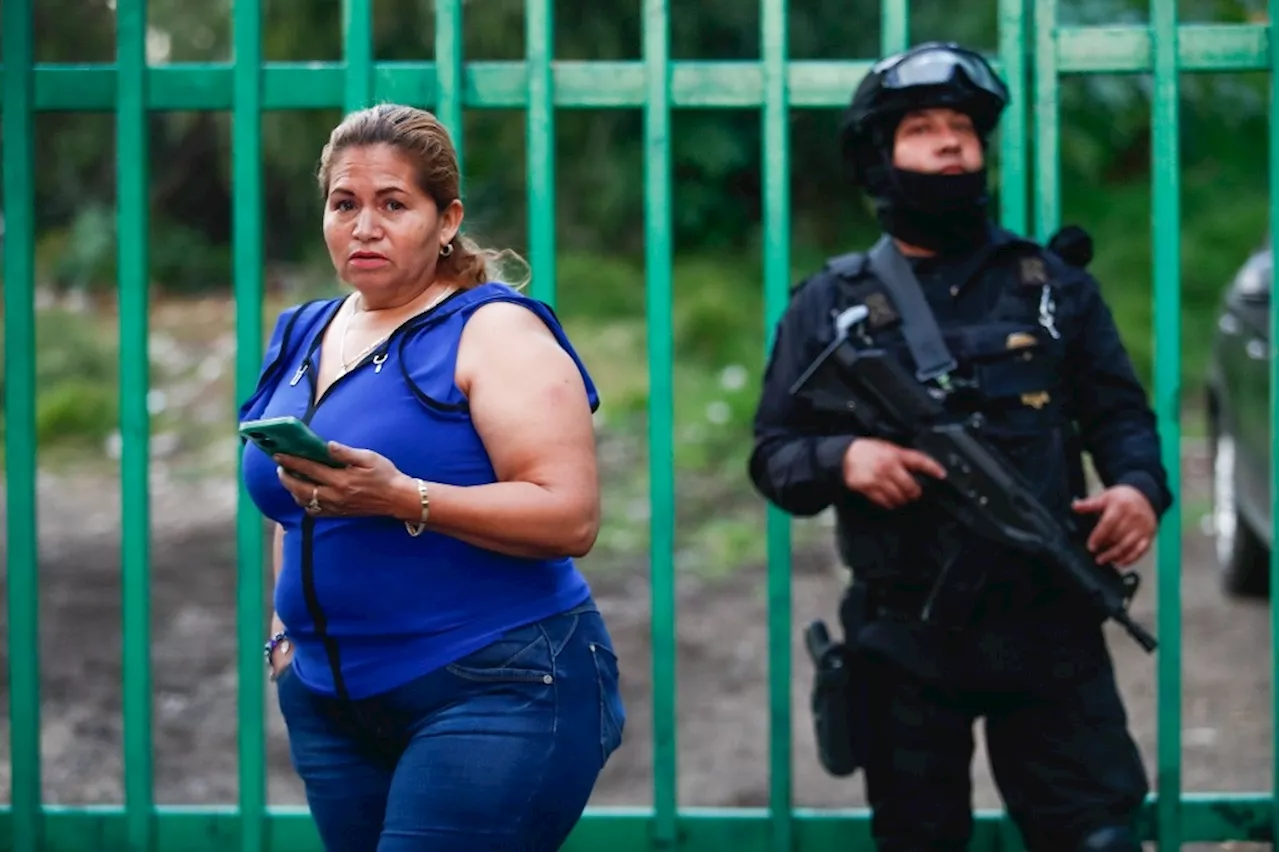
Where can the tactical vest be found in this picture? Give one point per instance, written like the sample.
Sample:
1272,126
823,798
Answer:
1009,383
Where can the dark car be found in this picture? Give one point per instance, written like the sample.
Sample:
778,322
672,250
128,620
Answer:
1239,421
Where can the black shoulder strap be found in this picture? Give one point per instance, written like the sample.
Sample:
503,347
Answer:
933,359
848,266
305,316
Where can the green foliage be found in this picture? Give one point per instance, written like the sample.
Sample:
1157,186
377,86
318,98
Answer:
75,411
76,397
187,261
1223,201
83,256
717,156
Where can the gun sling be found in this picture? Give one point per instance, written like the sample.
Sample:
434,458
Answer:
933,358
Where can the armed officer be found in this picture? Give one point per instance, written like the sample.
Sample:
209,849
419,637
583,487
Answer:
1038,369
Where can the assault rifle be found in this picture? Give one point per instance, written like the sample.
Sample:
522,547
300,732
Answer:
981,490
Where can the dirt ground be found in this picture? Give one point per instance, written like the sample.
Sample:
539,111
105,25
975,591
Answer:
722,682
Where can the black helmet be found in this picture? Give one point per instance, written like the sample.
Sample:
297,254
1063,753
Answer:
932,74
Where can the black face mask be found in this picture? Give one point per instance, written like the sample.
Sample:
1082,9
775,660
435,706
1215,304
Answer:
942,213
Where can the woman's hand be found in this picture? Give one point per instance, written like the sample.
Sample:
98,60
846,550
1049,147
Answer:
369,484
281,657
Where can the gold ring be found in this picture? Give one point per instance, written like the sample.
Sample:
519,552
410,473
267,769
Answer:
314,506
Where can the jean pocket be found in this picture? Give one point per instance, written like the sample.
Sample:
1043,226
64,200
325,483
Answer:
613,715
284,689
285,672
519,656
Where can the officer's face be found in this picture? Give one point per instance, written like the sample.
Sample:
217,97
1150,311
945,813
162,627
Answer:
937,141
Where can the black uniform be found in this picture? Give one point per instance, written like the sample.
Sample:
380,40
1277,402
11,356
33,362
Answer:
1040,357
1040,360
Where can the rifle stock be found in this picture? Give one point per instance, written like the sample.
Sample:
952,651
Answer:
982,490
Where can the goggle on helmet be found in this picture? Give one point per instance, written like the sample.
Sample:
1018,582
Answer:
930,75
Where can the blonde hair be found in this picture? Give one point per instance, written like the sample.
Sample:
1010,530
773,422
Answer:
420,136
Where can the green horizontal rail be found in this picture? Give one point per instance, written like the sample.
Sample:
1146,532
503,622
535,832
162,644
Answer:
1205,819
492,85
1200,47
590,84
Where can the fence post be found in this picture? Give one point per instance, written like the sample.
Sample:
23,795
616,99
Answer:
20,424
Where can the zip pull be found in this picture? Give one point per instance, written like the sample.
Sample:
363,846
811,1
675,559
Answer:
297,376
1047,310
378,361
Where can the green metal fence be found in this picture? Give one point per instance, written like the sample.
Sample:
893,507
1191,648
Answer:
1034,52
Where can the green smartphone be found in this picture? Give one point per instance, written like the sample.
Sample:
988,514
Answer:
290,436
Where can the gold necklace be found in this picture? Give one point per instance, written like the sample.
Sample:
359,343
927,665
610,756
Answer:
345,366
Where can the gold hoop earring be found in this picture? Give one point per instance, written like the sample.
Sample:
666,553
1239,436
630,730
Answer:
446,250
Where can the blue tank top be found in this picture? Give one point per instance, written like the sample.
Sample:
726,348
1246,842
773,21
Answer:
367,606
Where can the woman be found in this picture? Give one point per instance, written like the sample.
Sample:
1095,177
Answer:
445,677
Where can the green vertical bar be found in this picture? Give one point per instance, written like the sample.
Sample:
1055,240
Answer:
540,129
20,425
895,26
449,71
1013,130
357,32
1275,401
775,131
133,272
657,226
1012,35
1166,222
1048,177
246,216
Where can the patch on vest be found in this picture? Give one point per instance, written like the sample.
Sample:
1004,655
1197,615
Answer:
1037,400
1032,271
880,311
1020,340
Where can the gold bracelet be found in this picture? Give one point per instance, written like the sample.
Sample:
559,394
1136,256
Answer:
416,529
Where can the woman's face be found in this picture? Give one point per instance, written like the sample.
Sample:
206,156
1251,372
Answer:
384,234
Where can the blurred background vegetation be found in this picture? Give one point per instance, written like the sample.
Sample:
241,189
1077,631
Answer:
719,328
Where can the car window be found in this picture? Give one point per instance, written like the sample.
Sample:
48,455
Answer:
1253,281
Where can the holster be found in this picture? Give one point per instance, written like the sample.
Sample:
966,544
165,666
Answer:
838,700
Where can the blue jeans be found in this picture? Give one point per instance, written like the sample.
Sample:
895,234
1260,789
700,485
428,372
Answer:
498,751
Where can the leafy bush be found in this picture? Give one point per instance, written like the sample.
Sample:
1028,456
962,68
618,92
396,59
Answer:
76,369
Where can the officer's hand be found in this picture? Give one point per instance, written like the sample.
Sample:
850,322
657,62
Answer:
883,472
1126,527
